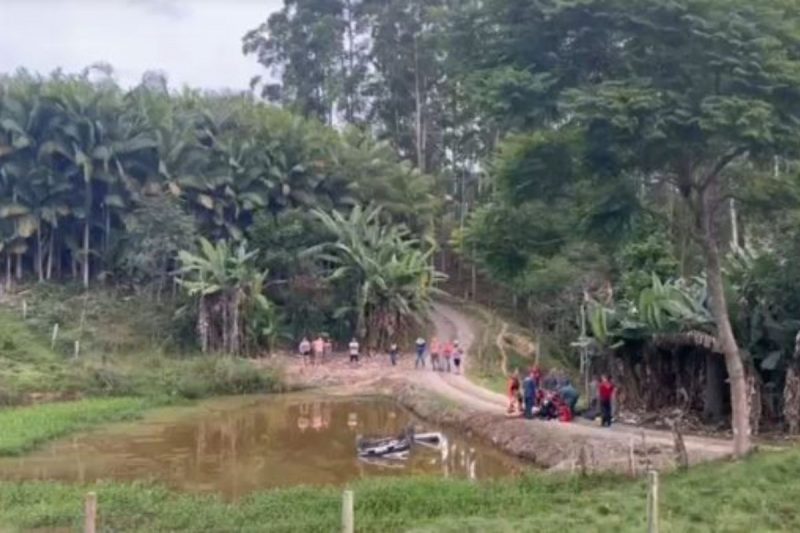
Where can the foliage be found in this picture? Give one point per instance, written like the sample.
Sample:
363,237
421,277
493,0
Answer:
154,234
756,493
765,303
79,159
674,306
642,258
390,270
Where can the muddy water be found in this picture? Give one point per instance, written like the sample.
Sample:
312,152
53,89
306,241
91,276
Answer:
236,446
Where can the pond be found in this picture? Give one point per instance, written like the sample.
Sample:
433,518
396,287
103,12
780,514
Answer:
234,446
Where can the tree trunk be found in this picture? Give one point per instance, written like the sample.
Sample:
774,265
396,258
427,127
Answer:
19,266
8,270
86,236
202,324
39,254
51,249
740,422
236,334
418,110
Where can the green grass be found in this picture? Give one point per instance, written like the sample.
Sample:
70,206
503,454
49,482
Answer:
759,494
24,428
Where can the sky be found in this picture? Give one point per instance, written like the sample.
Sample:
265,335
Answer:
195,42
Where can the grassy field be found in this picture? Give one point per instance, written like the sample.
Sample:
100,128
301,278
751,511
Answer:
24,428
759,494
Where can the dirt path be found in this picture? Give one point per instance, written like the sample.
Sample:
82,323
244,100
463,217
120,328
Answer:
558,441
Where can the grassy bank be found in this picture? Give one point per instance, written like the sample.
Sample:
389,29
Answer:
112,379
25,428
127,348
759,494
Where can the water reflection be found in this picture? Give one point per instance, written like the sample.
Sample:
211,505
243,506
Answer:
236,446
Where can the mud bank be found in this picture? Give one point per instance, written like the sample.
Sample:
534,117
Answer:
542,443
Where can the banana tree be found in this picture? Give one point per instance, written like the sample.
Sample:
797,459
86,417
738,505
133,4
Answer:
228,287
388,271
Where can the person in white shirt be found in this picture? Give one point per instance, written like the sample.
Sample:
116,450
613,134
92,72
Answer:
305,350
354,348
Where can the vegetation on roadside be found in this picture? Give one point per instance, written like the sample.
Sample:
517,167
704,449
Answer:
751,495
138,367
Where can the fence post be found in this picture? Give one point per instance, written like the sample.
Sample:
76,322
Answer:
652,502
90,512
77,349
348,519
54,337
24,309
631,459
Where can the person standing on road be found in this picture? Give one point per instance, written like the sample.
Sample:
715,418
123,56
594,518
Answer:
353,347
305,350
605,392
393,353
447,353
328,348
420,345
318,349
435,350
529,394
458,354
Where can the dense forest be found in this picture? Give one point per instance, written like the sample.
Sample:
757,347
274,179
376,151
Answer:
229,197
620,175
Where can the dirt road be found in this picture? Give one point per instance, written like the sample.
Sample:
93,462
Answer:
549,443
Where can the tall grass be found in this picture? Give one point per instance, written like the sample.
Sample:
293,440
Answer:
759,494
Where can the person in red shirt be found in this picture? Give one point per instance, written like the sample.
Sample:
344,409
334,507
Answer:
537,376
447,353
606,393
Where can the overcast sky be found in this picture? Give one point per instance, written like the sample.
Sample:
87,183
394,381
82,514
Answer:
195,42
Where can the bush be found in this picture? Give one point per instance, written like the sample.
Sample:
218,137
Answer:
220,375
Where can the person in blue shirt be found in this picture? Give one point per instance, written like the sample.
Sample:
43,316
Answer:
420,345
529,394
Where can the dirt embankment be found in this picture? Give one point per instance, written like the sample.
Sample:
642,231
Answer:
545,444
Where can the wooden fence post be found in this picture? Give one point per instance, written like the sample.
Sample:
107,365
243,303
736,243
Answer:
90,513
652,502
631,459
24,309
348,519
54,338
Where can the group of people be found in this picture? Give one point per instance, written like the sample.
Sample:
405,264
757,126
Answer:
445,357
313,352
554,396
